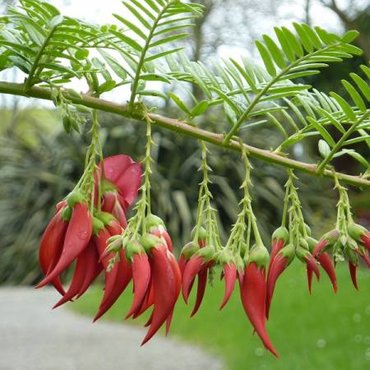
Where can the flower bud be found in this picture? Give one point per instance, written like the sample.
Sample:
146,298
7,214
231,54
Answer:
259,255
281,233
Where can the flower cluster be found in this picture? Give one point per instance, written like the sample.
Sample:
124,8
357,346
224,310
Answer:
90,227
79,231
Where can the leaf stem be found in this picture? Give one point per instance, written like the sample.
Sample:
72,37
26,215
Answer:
183,128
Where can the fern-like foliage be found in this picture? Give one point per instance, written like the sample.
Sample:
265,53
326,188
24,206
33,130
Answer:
150,30
146,46
46,46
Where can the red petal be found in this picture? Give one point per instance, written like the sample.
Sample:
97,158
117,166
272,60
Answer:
278,265
327,265
230,279
76,239
253,295
194,265
128,183
353,273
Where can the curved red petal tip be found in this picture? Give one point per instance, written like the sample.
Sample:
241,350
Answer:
182,264
141,279
312,265
202,283
353,273
77,238
253,295
320,246
229,271
166,289
365,240
168,322
194,265
277,246
277,267
326,264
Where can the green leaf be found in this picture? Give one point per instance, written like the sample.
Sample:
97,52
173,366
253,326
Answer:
331,119
56,21
294,42
35,35
155,77
306,41
285,45
266,57
200,108
179,103
81,54
132,27
153,93
106,86
275,51
322,130
366,70
356,97
362,85
345,106
350,36
162,54
312,35
114,64
22,64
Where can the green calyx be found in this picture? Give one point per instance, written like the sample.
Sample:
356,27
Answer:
303,254
281,233
304,244
259,255
356,231
132,248
224,258
352,256
288,252
149,241
106,186
331,236
311,242
202,233
114,243
207,253
105,218
98,225
67,214
153,221
189,249
75,197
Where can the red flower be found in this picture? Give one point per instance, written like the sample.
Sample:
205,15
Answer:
74,234
253,291
198,265
281,261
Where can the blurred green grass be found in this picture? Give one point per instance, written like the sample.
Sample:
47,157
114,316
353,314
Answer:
322,331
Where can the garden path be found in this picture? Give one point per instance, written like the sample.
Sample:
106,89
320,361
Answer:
34,337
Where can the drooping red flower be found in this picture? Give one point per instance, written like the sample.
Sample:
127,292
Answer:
253,293
197,266
78,231
281,261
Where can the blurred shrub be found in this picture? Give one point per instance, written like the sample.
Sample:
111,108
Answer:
40,164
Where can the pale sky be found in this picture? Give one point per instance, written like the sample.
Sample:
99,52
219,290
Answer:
100,12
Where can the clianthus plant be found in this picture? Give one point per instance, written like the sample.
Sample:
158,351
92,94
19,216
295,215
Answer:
90,232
